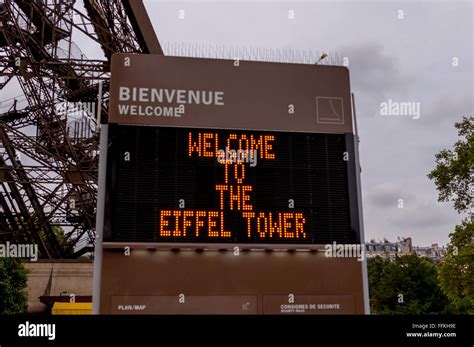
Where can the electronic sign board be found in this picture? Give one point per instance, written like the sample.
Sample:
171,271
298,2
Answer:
208,154
228,186
216,151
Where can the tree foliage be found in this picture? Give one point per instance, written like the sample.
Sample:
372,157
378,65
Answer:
407,285
457,271
13,283
454,180
454,171
66,244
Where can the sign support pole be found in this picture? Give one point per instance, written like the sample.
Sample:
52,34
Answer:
365,282
104,135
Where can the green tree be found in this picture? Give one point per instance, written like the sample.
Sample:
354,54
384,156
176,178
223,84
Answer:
457,271
13,282
407,285
454,180
66,245
454,172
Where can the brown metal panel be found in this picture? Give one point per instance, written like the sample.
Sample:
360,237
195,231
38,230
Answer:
191,304
252,95
221,282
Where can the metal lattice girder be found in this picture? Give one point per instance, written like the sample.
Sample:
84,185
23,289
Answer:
55,180
53,190
50,248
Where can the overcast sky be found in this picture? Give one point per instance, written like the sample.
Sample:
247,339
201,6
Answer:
405,60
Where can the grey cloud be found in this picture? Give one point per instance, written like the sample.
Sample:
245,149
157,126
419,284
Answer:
373,71
387,196
425,216
375,75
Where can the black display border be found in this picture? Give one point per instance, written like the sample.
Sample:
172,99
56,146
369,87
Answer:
353,212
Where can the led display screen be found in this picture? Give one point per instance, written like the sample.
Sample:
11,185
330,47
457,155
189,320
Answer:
175,185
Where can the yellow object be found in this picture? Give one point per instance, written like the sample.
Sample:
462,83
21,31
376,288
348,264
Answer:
67,308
